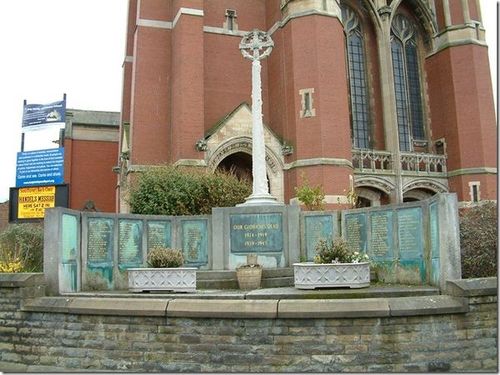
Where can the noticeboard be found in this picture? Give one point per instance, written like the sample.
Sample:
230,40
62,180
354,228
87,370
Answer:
32,201
37,116
29,204
41,167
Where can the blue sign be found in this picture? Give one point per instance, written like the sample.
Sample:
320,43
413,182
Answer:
36,116
39,168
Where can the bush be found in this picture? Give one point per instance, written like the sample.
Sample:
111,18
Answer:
311,196
168,190
337,251
162,257
478,240
21,248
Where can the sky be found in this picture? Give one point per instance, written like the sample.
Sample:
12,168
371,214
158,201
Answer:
77,47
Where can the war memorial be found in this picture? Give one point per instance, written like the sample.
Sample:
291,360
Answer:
417,314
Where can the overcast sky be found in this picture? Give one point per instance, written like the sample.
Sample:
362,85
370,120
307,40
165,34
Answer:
77,47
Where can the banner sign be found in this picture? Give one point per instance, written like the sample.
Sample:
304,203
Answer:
33,201
41,167
38,116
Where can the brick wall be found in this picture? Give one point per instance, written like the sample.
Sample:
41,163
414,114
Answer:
45,340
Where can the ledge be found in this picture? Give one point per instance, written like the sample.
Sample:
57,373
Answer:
236,309
21,280
472,287
432,305
98,306
340,308
252,309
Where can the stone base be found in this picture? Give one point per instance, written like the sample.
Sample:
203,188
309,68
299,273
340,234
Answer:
261,200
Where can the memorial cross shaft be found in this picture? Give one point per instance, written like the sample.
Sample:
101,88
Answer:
255,46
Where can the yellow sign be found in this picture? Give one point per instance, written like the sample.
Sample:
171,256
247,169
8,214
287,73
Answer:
33,201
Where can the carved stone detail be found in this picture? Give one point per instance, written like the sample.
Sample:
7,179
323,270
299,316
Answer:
312,276
181,279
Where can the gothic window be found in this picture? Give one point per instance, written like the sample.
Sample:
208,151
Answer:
230,23
407,86
358,89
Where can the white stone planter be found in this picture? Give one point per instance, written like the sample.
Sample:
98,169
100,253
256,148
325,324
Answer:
182,279
312,276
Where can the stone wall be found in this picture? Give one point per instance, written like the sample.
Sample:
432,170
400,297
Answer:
455,332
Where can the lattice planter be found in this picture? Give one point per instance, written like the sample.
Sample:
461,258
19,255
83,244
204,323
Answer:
312,275
182,279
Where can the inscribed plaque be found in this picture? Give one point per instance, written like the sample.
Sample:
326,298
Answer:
381,242
256,233
410,233
100,240
159,234
355,227
194,234
317,227
129,243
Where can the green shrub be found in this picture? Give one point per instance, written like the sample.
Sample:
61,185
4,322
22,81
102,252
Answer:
22,243
337,251
478,240
162,257
311,196
168,190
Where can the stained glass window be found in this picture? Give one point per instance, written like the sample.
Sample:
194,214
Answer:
358,89
407,87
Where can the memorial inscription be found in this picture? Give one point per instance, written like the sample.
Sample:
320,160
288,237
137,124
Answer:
317,227
195,242
355,225
159,234
381,244
130,243
100,240
256,233
410,233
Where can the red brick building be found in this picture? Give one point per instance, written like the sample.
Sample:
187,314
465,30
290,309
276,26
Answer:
90,149
390,98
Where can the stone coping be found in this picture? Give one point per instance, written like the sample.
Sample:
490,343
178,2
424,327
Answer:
239,304
21,280
251,309
473,287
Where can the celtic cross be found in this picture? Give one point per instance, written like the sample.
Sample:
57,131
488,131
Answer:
255,46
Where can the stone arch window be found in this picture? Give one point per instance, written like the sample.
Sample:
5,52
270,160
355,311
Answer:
358,88
407,86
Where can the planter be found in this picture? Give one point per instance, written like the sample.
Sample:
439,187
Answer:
182,279
249,277
312,276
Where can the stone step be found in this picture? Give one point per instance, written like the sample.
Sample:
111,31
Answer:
271,278
277,282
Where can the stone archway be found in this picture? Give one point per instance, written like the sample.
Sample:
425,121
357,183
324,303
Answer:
239,163
231,140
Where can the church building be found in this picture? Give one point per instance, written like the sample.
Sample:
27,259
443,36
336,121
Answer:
389,99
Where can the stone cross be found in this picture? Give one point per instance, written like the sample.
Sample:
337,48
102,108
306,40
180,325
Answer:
255,46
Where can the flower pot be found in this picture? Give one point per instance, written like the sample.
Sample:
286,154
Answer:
182,279
331,275
249,277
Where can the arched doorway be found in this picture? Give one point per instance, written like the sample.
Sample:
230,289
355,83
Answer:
239,163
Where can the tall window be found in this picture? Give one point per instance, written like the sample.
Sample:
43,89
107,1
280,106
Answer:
407,87
358,89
